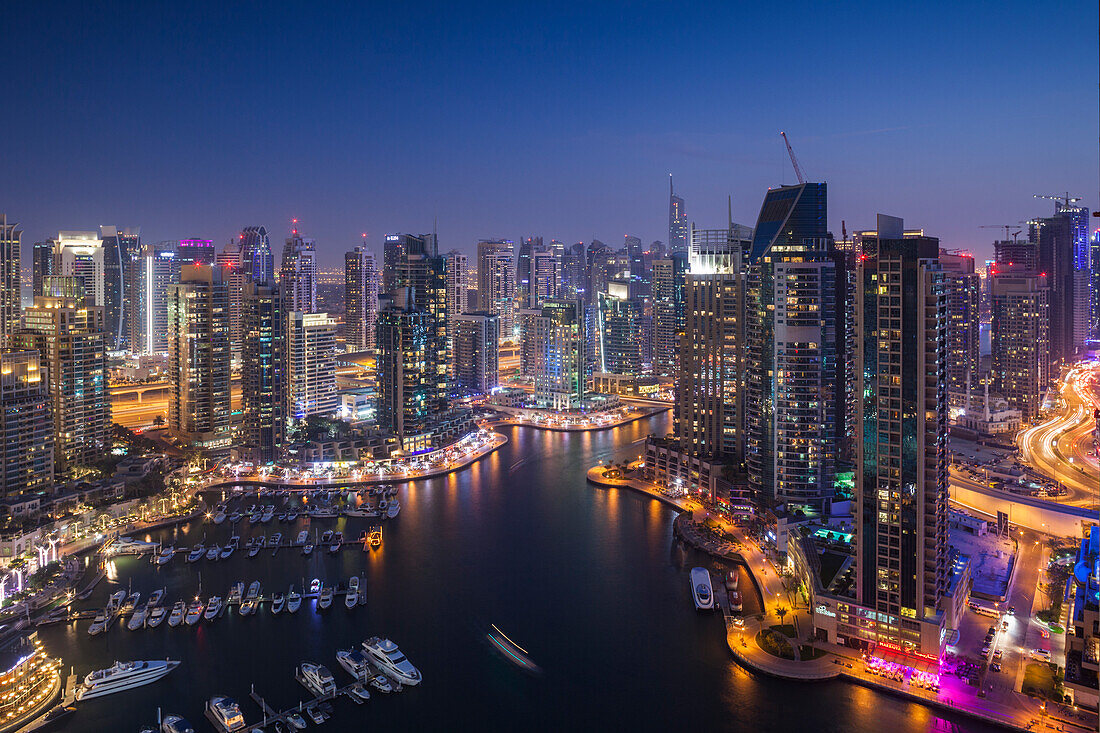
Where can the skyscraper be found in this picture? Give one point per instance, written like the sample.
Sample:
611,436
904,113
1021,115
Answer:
545,277
574,272
199,358
70,340
902,454
795,376
120,246
196,251
81,254
310,365
677,221
457,266
476,347
962,289
256,254
361,283
558,351
150,273
43,265
496,281
26,431
669,276
424,273
236,271
1062,245
635,255
1021,368
298,275
11,280
263,360
524,271
622,331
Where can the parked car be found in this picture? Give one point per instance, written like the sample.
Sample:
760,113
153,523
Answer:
1043,655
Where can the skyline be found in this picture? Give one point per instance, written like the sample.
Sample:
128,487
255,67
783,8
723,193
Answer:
515,124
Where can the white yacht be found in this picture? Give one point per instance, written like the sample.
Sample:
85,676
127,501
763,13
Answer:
352,596
292,516
393,508
115,601
269,512
130,603
224,713
178,612
302,537
166,555
251,599
176,724
196,553
194,613
358,693
156,617
155,598
130,546
354,662
293,600
122,676
324,599
296,721
317,679
137,621
701,590
226,552
278,601
276,540
391,661
213,552
307,548
213,608
219,517
236,593
99,624
255,545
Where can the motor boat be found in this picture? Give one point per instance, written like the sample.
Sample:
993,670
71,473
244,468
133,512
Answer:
251,599
225,713
281,516
115,601
393,508
315,715
235,517
122,676
219,517
326,537
226,553
335,542
213,552
359,693
194,612
99,624
292,516
303,536
137,621
307,548
179,610
196,553
382,683
155,598
324,600
293,600
254,517
383,505
269,513
388,657
236,593
513,652
176,724
317,679
376,538
156,617
213,608
701,591
315,586
130,603
355,663
276,540
165,556
234,542
255,547
130,546
278,601
295,721
352,596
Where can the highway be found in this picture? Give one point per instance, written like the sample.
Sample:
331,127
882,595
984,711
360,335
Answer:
1061,447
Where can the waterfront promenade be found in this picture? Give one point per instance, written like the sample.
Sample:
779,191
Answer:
562,423
1010,709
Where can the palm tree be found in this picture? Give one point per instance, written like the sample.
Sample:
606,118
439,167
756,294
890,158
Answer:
158,420
781,611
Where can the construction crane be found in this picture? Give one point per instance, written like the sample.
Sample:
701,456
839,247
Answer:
1006,227
794,160
1065,200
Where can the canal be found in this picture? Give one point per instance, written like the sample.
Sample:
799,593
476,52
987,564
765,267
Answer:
589,581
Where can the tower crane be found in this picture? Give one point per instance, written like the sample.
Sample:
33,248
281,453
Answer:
1066,200
794,160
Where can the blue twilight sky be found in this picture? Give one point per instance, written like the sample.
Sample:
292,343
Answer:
557,119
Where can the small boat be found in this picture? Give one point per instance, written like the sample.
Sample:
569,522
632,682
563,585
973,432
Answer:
278,600
307,548
176,724
359,693
196,553
130,603
58,712
381,683
122,676
99,624
354,663
326,537
302,537
155,598
388,657
225,713
292,517
295,721
736,605
165,556
213,608
156,617
115,601
256,547
235,517
251,599
236,593
194,612
293,600
269,512
234,542
219,517
315,586
213,552
701,589
317,679
137,621
281,517
254,517
383,505
352,596
276,540
315,715
376,538
226,553
324,600
393,508
178,612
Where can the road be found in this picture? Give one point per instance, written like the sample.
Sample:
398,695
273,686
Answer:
130,413
1061,447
